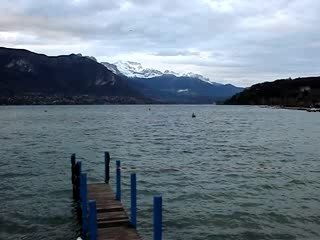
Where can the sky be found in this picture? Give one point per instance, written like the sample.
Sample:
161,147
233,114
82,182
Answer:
241,42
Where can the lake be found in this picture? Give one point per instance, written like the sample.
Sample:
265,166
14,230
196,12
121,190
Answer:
233,172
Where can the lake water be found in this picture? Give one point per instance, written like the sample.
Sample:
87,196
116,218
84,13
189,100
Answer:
230,173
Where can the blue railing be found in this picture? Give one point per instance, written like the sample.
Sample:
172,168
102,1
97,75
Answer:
89,210
133,207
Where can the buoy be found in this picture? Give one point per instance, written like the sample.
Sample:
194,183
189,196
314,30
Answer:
193,115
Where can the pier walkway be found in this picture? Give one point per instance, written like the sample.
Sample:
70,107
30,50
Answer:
100,211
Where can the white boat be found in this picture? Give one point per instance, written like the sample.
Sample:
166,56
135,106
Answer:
313,110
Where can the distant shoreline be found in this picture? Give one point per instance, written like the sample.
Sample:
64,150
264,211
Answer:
308,109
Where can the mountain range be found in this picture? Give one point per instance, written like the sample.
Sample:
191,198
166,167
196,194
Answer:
31,78
135,69
169,86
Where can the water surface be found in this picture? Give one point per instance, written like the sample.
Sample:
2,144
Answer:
230,173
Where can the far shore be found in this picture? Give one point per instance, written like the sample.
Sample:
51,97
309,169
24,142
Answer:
308,109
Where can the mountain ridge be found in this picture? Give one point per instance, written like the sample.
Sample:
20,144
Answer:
25,73
169,86
31,78
135,69
298,92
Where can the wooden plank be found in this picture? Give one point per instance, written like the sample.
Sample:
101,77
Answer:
113,221
113,208
112,215
118,233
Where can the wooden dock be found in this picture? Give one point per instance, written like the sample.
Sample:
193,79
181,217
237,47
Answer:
113,221
101,212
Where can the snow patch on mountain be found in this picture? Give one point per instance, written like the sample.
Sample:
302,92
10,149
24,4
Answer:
135,69
170,72
183,90
21,65
92,58
112,67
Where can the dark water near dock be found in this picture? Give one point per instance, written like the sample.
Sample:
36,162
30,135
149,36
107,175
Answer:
229,173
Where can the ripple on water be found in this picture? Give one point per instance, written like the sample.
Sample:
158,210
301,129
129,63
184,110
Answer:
228,174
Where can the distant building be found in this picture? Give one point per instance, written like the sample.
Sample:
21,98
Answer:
305,89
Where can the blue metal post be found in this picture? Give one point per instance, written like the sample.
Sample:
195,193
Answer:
84,203
157,217
73,163
78,168
106,167
73,166
77,179
133,200
118,181
92,220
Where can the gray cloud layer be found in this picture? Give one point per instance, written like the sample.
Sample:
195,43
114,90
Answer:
241,42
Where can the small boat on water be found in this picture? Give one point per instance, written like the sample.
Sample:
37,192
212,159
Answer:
313,110
193,115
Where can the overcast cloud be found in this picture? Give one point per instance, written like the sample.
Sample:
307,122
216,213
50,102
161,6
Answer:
230,41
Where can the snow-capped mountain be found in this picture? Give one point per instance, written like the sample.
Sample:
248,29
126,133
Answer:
194,75
170,72
135,69
113,68
169,86
132,69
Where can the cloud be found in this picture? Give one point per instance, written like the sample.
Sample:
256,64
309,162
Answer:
241,42
173,52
